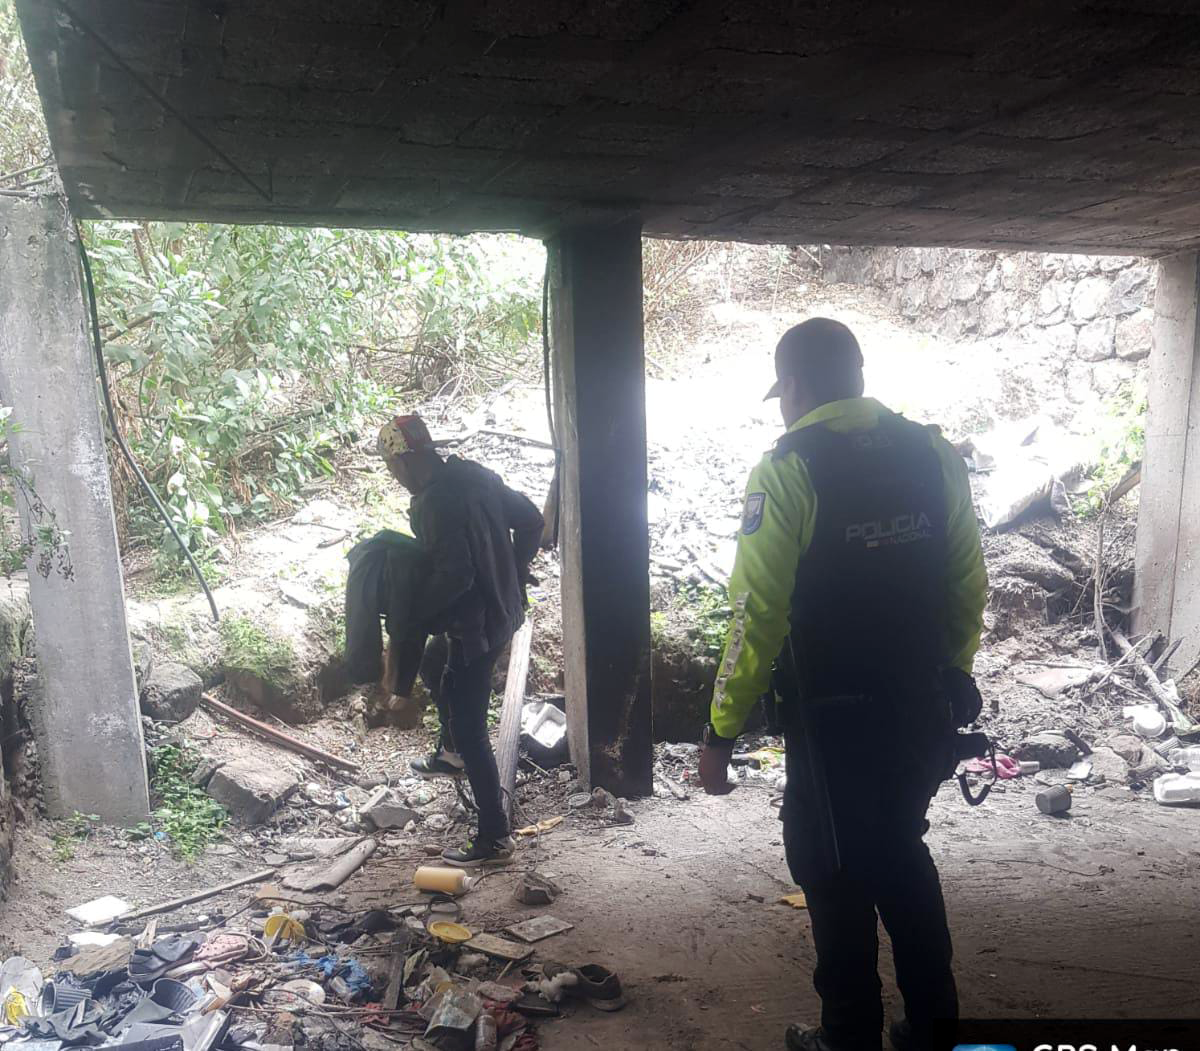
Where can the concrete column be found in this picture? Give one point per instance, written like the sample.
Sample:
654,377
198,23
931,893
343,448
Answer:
88,726
1167,583
596,303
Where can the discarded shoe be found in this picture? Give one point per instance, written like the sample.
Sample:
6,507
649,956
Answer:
441,764
148,965
481,855
600,987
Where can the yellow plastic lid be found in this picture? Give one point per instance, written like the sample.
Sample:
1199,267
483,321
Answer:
448,931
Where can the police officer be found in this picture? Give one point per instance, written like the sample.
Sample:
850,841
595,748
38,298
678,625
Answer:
860,580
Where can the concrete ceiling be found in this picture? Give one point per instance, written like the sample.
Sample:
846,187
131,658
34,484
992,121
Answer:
1067,125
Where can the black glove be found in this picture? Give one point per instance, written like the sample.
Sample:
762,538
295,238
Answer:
527,580
962,695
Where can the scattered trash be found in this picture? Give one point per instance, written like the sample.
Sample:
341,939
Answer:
1056,800
544,732
1177,789
295,995
1028,767
542,826
100,911
1147,721
601,987
796,901
450,932
579,800
1189,757
281,927
1080,771
538,927
330,876
442,879
501,948
1006,767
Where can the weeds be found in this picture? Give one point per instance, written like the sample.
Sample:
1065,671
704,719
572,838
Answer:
709,608
249,648
71,832
1121,436
185,813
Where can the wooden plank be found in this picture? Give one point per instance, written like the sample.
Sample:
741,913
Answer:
508,745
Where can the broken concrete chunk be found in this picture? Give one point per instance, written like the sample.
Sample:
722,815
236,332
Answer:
1050,682
1050,748
1106,763
386,810
171,693
1127,747
535,889
100,911
250,790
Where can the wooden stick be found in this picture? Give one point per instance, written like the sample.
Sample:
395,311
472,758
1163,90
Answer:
1098,585
1131,479
1112,668
1167,654
508,746
1182,723
278,736
191,899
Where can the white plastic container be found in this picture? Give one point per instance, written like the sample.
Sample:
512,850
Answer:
1177,789
1166,746
1149,723
1189,757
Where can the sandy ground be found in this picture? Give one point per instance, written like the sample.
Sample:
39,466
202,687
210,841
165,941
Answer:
1085,916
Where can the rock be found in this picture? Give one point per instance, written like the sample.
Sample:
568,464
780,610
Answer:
1051,300
1108,765
1096,339
1108,377
1050,682
419,797
1089,298
251,790
1079,382
1134,335
966,287
1127,747
172,692
1128,292
299,595
1062,337
1050,748
204,771
992,316
437,822
386,810
535,889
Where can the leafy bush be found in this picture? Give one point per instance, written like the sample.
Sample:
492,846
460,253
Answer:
1120,436
242,357
248,647
186,815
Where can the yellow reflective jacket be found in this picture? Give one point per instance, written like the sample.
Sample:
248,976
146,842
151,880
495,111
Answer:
782,515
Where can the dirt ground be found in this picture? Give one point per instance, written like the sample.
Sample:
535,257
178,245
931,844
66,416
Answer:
683,904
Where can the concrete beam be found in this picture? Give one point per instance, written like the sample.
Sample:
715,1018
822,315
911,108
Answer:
1167,582
88,727
596,303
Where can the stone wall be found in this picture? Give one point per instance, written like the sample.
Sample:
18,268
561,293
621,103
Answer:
1092,307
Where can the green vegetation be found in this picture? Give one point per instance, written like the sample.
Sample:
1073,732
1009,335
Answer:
709,606
70,833
185,814
1121,439
248,647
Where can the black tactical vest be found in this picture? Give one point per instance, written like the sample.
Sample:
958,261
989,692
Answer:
867,609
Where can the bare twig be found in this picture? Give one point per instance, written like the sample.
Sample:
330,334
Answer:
1098,584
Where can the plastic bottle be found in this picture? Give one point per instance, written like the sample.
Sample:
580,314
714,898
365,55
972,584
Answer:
1189,757
485,1032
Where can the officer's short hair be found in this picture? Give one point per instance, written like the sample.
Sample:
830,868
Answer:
824,356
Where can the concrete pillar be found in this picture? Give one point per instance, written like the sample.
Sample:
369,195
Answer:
596,306
88,727
1167,582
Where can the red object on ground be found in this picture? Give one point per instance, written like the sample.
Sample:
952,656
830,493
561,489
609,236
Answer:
1006,767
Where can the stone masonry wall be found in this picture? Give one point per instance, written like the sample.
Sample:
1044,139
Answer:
1094,308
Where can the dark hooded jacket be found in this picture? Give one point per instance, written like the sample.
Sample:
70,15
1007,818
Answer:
479,536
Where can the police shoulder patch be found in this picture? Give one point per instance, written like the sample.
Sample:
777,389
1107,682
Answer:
753,515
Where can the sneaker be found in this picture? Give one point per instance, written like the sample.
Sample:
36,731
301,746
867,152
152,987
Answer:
440,764
477,855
